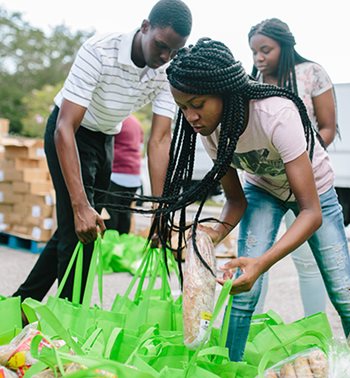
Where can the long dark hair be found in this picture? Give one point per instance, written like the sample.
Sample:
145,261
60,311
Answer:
279,31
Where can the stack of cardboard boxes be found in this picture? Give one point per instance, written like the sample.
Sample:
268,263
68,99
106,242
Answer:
26,191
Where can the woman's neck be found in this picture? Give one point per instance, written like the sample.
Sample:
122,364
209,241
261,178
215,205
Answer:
270,79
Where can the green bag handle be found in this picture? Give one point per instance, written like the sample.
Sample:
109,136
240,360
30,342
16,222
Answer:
116,333
266,357
34,306
95,266
89,342
225,323
215,351
47,357
152,261
77,255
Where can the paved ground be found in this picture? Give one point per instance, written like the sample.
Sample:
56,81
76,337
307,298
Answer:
283,295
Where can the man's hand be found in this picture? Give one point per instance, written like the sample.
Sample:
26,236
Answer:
88,223
251,270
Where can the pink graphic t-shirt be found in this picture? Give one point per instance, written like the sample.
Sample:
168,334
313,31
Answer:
274,136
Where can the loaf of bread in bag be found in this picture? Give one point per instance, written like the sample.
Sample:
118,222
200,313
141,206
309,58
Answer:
318,363
302,367
271,374
198,289
287,371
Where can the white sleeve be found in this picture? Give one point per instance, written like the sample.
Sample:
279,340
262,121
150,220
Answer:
84,76
164,103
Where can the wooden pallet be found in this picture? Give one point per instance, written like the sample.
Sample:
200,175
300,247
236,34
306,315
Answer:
19,242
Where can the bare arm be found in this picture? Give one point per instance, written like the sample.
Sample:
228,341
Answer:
233,209
158,152
324,107
302,183
86,218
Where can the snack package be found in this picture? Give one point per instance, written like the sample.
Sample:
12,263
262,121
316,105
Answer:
73,367
6,373
311,363
198,289
16,356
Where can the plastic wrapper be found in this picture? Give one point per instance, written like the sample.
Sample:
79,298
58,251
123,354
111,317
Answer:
6,373
16,356
339,359
311,363
198,290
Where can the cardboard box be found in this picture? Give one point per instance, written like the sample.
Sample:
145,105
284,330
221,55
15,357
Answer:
4,126
9,175
7,164
48,199
36,211
6,187
23,163
40,235
11,198
39,187
42,223
5,208
28,148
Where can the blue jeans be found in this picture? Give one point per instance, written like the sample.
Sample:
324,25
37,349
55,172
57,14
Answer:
312,289
257,233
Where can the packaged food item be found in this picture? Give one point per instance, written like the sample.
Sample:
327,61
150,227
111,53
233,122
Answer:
6,373
287,371
16,356
198,289
311,363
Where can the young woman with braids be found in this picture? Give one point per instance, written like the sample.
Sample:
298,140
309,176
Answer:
265,131
277,62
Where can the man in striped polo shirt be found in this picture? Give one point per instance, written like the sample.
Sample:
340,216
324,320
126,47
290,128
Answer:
112,76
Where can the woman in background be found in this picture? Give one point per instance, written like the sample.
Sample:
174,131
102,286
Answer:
277,62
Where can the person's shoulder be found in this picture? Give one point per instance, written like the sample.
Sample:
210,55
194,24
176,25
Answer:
311,68
272,105
104,40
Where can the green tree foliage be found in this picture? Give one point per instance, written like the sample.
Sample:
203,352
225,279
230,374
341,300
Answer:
39,104
31,61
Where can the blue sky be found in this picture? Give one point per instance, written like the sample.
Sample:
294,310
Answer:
319,26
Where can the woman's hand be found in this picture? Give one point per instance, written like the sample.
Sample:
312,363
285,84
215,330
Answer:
251,270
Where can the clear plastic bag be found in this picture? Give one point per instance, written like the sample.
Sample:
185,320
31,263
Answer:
339,359
198,289
311,363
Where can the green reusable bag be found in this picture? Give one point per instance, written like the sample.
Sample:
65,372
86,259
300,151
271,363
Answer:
6,337
151,305
10,313
80,319
274,335
260,321
110,239
123,342
128,253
